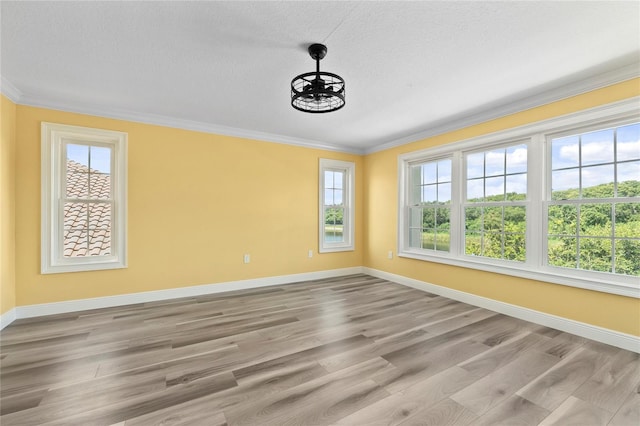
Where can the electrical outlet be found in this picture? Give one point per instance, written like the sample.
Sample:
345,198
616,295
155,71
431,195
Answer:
390,254
310,254
247,258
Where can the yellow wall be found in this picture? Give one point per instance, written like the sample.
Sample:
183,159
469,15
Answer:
381,195
7,205
197,202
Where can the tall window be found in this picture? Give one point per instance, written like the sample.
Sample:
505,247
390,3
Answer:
593,209
495,204
430,205
556,201
336,205
83,199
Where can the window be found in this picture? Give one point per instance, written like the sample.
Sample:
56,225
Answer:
430,205
593,213
495,205
83,199
336,205
557,201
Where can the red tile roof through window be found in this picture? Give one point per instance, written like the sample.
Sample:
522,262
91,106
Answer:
87,219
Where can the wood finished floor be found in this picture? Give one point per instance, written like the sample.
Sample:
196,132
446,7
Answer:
353,350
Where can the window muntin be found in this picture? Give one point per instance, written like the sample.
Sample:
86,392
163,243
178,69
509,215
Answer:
593,213
336,229
494,207
430,205
83,199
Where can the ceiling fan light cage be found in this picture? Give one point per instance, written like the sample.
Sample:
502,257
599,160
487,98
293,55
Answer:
317,92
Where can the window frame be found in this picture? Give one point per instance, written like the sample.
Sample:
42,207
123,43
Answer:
536,134
348,225
54,138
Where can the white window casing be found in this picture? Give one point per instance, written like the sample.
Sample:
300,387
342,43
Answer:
100,214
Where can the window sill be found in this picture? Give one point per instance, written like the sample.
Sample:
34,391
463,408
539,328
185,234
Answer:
335,249
602,283
83,266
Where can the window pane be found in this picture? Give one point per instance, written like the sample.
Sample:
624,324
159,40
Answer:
595,220
515,219
514,247
415,238
473,244
337,197
475,165
429,173
629,179
563,220
628,142
333,233
100,216
415,217
429,194
443,241
565,152
494,162
442,219
338,180
627,219
475,190
473,218
444,171
100,186
565,184
99,242
429,240
444,192
597,181
494,188
75,216
562,251
517,159
428,218
328,179
78,154
77,180
493,245
595,254
597,147
516,187
100,158
628,257
333,225
328,197
74,243
493,219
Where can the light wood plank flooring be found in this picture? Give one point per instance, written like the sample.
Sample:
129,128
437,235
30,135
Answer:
353,350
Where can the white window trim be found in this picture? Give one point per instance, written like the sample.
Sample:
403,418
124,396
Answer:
52,260
535,267
349,168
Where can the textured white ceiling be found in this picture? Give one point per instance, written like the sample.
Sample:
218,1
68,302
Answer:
410,67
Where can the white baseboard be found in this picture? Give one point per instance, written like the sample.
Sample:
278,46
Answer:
173,293
7,318
600,334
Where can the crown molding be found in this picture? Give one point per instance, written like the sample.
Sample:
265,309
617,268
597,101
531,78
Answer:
564,89
10,91
22,98
517,104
